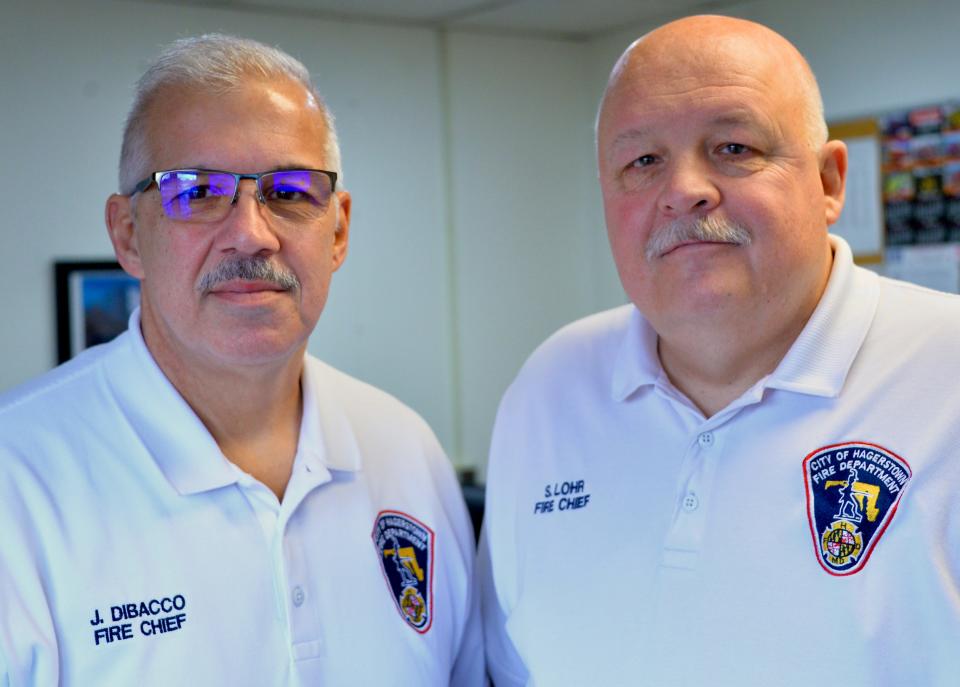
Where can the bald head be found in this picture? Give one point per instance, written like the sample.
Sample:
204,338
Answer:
718,182
690,46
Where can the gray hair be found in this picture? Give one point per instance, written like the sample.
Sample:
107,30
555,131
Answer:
213,62
813,112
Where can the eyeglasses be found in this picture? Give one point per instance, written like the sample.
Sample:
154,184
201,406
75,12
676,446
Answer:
205,195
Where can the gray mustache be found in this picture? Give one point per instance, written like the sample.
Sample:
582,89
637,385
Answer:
248,269
681,230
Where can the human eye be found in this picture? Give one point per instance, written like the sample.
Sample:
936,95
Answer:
289,194
197,192
738,159
644,161
290,187
734,149
184,188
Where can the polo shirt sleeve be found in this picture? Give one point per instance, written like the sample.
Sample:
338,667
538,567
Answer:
29,655
468,665
468,669
496,559
504,664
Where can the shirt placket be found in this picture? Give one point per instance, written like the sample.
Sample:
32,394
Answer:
297,581
295,595
684,538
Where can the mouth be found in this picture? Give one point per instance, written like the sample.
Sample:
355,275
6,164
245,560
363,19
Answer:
245,286
246,291
694,243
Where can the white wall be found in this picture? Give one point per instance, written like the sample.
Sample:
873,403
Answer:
477,224
519,166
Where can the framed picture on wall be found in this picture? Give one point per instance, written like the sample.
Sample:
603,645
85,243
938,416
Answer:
94,301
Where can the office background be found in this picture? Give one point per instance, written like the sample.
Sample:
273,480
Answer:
468,147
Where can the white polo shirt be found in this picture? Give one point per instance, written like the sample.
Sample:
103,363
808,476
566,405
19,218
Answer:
132,552
807,534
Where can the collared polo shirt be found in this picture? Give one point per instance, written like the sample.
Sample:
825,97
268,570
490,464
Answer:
807,533
132,552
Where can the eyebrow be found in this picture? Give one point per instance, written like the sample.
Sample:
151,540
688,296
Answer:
275,168
725,119
625,137
630,135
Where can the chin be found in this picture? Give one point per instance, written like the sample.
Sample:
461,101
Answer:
258,350
702,300
718,297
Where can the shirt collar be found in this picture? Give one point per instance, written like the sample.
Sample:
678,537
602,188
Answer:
183,448
637,363
327,436
817,362
170,431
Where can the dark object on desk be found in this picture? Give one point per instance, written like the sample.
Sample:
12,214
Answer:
473,495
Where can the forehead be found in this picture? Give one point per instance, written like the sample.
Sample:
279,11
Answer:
708,94
253,127
726,86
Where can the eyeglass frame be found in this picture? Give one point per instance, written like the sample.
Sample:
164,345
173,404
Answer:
143,185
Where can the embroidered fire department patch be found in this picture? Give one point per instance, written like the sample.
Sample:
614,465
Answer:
853,490
405,547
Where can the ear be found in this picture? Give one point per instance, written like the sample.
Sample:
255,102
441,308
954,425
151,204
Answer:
119,218
833,177
341,236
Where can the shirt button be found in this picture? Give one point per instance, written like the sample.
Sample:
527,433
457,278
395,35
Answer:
691,502
298,596
705,440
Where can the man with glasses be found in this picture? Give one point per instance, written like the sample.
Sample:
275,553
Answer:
199,501
749,475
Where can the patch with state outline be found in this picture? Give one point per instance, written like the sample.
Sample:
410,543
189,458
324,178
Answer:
853,490
405,548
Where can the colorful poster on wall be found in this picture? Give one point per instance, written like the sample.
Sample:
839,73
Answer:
921,175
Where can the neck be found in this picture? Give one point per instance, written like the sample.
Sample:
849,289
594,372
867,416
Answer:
715,375
252,412
715,359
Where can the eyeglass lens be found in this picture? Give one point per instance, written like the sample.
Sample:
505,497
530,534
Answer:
202,196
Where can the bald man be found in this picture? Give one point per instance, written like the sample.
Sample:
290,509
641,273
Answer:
748,475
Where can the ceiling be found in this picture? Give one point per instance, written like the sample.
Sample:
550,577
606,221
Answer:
567,19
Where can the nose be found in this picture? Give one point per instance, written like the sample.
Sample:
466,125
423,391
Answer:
246,228
688,187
